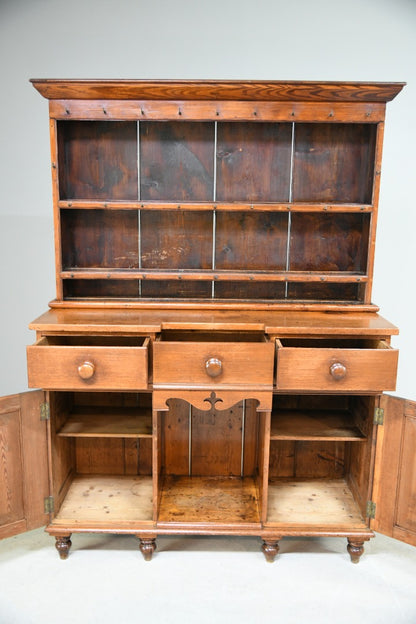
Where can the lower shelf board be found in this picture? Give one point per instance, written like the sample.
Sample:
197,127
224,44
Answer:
223,500
313,502
107,499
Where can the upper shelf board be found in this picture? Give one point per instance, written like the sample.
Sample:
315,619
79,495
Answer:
250,90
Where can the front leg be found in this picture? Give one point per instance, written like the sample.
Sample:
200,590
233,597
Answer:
147,547
63,544
270,549
355,548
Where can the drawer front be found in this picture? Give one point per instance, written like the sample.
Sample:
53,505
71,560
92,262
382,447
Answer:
87,367
208,364
336,370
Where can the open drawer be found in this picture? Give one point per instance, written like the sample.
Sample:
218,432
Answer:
198,359
339,365
89,363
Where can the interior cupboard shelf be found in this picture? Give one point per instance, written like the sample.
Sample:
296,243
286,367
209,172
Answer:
314,425
108,423
212,275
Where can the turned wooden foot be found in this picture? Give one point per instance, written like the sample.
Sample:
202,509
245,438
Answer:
63,544
147,547
356,549
270,549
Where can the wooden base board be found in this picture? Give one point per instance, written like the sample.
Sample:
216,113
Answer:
314,502
108,499
224,500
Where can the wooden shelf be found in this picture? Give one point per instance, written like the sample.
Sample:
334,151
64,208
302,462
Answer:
224,500
79,204
107,499
314,425
108,423
313,502
212,275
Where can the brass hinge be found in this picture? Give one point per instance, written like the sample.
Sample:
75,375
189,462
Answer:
371,509
379,416
48,504
45,411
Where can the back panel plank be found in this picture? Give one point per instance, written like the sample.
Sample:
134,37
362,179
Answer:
333,162
100,238
97,159
176,161
253,161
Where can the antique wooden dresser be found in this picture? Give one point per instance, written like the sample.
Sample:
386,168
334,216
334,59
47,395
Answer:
212,363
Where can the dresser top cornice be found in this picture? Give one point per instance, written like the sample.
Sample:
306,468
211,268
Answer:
249,90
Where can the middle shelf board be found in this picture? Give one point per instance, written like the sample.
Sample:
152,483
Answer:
314,425
108,423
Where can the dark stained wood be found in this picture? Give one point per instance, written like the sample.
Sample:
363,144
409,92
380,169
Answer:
249,241
315,291
100,238
176,240
97,160
249,290
175,289
109,288
333,162
253,162
218,90
329,242
176,161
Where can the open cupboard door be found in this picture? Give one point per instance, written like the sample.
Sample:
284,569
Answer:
394,490
24,482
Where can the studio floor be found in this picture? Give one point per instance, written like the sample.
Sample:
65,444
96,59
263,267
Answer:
205,580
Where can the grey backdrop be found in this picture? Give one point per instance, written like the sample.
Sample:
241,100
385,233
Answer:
252,39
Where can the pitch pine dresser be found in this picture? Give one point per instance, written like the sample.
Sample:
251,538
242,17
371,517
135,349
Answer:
213,363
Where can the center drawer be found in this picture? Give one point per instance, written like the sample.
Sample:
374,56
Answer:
342,365
207,360
89,363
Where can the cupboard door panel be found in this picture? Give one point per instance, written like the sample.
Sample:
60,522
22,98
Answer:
395,471
24,480
11,464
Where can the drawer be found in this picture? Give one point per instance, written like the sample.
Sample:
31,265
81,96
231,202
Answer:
88,363
227,360
335,366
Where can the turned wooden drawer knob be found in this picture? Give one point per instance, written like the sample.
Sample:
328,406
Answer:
213,366
86,370
338,370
